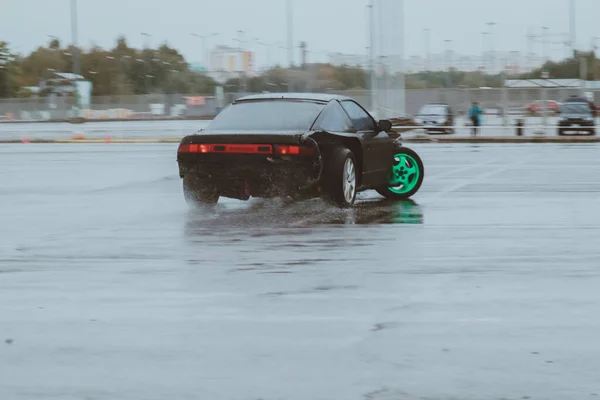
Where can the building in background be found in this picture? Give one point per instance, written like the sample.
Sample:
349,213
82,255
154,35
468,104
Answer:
510,62
231,62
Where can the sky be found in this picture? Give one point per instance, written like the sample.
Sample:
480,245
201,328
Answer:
325,25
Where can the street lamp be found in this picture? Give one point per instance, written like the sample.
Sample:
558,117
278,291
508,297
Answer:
483,48
492,50
146,64
573,38
74,37
290,32
448,62
205,58
427,39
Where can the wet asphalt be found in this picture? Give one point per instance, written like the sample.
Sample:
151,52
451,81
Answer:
483,287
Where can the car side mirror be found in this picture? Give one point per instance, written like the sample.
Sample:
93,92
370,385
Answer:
384,125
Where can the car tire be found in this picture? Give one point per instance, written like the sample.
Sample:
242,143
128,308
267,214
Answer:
406,176
340,178
561,132
198,192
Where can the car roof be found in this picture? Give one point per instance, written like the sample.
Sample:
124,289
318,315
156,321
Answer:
317,97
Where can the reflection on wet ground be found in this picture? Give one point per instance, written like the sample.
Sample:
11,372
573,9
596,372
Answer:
278,213
486,283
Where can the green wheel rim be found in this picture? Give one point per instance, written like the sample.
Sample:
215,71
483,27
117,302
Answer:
405,174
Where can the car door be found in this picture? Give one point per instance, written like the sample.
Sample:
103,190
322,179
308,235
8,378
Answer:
377,146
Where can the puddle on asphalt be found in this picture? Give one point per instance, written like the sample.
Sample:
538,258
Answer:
277,213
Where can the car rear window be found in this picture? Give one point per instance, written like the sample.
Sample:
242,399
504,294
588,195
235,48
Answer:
268,115
576,108
433,110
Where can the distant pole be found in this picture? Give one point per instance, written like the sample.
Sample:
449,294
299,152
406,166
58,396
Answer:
544,44
544,89
401,77
290,40
594,57
582,73
382,62
75,54
147,66
492,49
573,38
372,84
449,63
427,38
530,63
483,36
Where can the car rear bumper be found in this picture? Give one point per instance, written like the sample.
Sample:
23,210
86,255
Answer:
574,125
241,176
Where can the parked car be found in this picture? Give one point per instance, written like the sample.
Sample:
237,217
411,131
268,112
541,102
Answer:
436,118
299,145
578,99
536,106
577,116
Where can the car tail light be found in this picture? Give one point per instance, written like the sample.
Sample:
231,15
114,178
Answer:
294,150
227,148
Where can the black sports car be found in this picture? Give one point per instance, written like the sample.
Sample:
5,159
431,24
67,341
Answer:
299,145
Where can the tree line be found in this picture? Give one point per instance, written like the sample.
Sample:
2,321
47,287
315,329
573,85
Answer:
124,70
117,71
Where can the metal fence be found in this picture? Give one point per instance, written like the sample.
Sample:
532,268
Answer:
205,106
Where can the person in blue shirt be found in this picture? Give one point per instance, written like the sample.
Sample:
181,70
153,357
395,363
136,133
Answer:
475,113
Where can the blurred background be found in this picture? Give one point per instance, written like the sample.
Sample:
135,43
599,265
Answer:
188,59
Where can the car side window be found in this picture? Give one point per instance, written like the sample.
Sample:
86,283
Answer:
360,119
333,119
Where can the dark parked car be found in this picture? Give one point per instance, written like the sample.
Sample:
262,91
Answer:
579,99
577,116
436,118
300,145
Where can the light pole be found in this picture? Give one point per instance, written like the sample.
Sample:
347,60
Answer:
290,32
448,62
75,56
401,77
242,56
147,63
205,58
492,50
594,48
290,41
74,39
544,44
483,36
373,81
268,62
427,38
544,89
573,38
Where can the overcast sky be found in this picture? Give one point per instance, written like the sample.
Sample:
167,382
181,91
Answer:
326,25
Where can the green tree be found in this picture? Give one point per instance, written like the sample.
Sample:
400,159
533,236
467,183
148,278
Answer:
41,64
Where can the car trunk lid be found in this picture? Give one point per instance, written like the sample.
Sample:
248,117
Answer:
247,138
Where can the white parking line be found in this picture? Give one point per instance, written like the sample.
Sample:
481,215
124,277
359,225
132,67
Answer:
466,182
461,169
